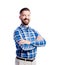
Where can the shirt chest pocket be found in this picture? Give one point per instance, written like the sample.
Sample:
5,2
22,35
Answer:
28,35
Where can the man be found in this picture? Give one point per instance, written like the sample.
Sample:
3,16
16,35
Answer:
27,40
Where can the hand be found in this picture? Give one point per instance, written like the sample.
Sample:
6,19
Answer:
24,42
39,38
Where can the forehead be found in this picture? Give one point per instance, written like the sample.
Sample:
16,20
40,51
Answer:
25,12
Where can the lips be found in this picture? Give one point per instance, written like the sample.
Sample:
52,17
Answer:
26,19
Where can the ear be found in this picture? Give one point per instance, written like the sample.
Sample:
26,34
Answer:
19,17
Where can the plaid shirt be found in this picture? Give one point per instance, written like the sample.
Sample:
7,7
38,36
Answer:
27,50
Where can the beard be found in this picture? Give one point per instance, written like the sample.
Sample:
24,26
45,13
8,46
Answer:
25,21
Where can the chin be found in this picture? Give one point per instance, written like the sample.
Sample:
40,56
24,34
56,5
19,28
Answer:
25,24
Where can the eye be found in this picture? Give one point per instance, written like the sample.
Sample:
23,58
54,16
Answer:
23,15
28,15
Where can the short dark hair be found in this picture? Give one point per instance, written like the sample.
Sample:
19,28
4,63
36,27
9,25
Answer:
24,9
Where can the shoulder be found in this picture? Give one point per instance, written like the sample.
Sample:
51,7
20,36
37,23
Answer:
34,30
17,30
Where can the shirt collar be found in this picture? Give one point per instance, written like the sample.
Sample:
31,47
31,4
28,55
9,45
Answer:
24,27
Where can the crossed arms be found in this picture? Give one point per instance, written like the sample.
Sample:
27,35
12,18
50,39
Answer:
28,45
39,38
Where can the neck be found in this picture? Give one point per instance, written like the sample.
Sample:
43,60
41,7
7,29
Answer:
25,25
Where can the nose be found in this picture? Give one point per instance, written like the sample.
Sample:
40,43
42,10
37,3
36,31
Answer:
27,17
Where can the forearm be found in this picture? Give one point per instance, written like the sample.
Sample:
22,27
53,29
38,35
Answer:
25,45
39,43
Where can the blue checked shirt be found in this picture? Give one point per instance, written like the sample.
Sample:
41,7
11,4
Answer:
27,50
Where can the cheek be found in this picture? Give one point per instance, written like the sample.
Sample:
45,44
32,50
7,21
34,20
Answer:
23,17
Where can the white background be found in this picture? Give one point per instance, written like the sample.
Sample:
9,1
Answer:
44,18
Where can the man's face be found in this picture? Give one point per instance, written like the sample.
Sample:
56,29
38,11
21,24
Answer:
25,17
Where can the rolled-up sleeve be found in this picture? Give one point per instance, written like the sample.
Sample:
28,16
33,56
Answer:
27,47
39,43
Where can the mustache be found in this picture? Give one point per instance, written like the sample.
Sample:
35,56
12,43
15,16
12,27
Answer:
26,19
